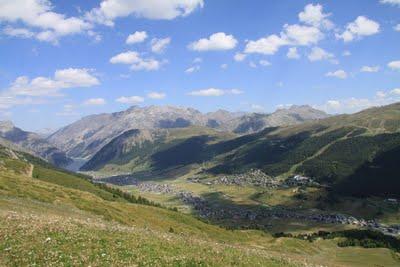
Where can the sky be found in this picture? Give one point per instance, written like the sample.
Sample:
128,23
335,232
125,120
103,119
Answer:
62,60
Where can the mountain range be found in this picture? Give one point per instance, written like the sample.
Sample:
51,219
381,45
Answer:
33,143
87,136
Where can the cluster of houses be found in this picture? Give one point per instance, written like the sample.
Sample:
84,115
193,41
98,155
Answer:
208,210
256,177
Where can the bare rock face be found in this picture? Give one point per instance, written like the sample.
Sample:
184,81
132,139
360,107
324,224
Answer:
34,143
282,117
87,136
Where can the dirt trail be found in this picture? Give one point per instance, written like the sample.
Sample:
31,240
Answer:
30,171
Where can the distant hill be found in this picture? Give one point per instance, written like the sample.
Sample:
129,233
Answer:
87,136
34,143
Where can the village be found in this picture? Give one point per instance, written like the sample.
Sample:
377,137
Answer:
208,210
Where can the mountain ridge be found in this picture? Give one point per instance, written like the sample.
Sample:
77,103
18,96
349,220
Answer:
86,136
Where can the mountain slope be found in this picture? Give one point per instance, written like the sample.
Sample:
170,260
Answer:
133,149
87,136
34,143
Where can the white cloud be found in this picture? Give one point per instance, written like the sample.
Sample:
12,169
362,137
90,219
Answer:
136,61
302,35
136,37
224,66
156,95
130,100
109,10
25,91
95,102
18,32
370,69
346,53
264,63
215,92
267,46
318,54
76,77
128,57
394,65
216,41
362,26
354,104
192,69
239,57
295,35
397,28
197,60
63,79
252,64
395,91
159,45
391,2
292,53
38,14
313,15
147,65
341,74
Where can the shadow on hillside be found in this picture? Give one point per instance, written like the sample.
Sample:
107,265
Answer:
226,213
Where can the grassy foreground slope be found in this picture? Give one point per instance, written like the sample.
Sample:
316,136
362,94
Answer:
47,223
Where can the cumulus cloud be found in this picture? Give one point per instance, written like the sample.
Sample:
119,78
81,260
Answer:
32,91
292,53
239,57
268,45
197,60
313,20
394,65
156,95
215,92
136,61
216,41
49,26
391,2
128,57
264,63
109,10
359,28
318,54
18,32
159,45
397,28
130,100
147,65
136,37
353,104
370,69
94,102
63,79
341,74
192,69
302,35
313,15
295,35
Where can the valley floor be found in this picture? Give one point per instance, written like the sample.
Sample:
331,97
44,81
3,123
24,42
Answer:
46,224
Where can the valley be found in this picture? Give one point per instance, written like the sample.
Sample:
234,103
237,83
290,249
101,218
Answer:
253,196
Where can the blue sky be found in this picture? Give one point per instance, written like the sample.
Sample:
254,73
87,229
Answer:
61,60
